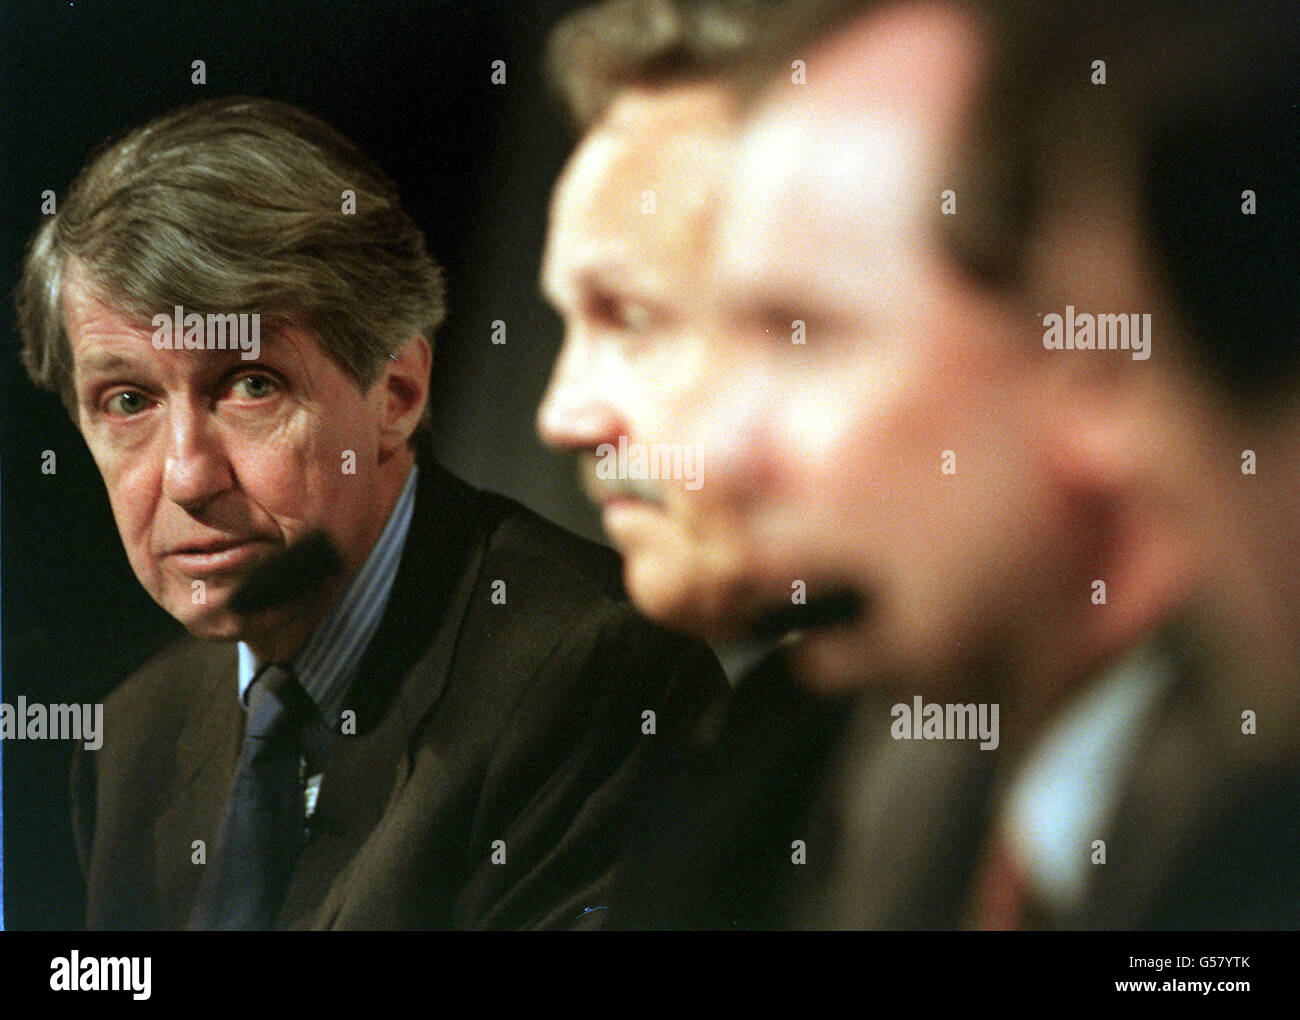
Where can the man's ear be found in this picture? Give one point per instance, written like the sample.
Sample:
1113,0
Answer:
1125,455
405,381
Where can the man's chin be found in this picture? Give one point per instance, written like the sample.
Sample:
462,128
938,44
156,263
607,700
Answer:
847,659
212,619
682,604
832,661
834,642
219,624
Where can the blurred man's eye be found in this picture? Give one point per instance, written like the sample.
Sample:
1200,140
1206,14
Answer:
627,315
782,322
634,316
795,325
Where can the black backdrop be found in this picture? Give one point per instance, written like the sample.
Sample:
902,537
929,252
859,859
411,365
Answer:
410,82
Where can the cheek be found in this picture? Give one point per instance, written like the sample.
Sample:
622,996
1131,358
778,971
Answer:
132,480
727,414
837,434
309,469
862,460
658,389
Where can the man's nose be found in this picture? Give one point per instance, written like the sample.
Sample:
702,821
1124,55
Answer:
196,469
576,412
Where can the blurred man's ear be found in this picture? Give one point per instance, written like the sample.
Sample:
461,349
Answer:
1125,452
405,382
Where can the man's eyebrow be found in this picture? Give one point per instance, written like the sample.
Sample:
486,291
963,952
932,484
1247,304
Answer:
624,281
105,362
579,281
600,273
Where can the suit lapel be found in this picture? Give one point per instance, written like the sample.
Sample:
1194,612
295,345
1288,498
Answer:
400,679
207,746
1172,784
203,746
908,820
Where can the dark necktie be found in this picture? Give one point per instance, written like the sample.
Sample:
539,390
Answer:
999,900
259,840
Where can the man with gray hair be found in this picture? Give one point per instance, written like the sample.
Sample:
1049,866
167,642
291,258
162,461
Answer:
441,696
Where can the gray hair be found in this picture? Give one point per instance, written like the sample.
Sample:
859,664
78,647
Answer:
235,205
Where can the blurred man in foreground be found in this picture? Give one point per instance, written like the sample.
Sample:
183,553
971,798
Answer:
655,88
646,83
958,493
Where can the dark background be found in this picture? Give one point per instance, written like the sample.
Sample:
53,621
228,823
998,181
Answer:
410,82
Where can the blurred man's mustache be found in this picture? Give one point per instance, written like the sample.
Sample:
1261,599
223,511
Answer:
602,490
291,575
830,609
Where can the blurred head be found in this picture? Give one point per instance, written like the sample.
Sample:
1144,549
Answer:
1174,189
886,415
629,218
880,420
217,455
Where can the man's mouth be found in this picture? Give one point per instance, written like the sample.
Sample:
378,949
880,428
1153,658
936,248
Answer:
833,608
216,556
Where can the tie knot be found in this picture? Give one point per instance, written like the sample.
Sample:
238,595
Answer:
277,704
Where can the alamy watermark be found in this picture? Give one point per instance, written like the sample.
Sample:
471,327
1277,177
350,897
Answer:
35,721
650,462
1083,331
932,721
77,973
190,331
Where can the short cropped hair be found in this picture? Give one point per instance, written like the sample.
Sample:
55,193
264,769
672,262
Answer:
235,205
596,52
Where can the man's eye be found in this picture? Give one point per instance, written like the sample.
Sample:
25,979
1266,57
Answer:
629,316
634,317
253,387
126,403
782,323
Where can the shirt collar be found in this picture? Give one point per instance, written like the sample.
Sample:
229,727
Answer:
327,663
1068,789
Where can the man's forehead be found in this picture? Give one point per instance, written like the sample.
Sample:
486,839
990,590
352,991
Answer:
92,355
908,63
106,339
85,306
679,106
865,140
89,313
663,136
642,182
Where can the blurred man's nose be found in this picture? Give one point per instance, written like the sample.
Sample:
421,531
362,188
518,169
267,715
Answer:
576,412
196,469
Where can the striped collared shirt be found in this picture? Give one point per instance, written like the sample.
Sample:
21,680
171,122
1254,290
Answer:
327,663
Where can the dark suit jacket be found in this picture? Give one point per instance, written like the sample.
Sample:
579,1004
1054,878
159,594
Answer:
476,722
1204,835
727,818
1205,832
